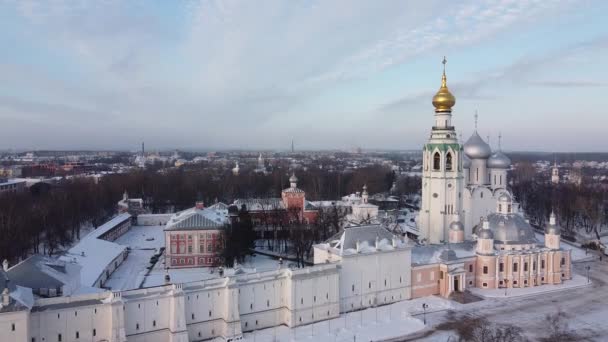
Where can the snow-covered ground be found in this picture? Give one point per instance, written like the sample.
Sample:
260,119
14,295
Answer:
576,281
256,263
144,242
374,324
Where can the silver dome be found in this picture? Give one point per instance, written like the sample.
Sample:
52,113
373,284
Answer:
485,234
476,148
456,225
511,229
499,161
448,255
466,161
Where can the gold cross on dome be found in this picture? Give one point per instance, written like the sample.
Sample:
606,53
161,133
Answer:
444,62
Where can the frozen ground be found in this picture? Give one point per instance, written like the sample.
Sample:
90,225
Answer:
255,263
144,241
586,308
374,324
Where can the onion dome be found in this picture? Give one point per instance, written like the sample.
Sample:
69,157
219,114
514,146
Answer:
443,101
476,148
466,162
456,225
499,161
552,227
293,178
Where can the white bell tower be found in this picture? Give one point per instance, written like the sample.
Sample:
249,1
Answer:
442,176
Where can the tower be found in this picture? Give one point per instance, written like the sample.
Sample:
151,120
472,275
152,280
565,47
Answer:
442,177
552,233
555,173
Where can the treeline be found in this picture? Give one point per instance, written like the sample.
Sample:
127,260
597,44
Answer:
581,208
47,221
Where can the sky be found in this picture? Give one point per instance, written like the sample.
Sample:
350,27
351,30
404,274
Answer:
326,74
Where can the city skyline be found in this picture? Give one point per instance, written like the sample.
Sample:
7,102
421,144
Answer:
329,75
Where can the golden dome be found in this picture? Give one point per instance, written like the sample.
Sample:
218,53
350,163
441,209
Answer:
443,100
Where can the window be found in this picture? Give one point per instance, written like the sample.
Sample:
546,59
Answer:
209,313
136,326
59,337
192,316
501,267
485,270
485,284
94,332
477,174
436,161
419,277
542,264
500,208
369,285
190,249
534,266
433,275
77,334
563,261
525,267
470,268
515,267
448,162
441,275
13,326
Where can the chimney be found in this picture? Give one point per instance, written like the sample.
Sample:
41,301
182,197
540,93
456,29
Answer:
5,265
200,205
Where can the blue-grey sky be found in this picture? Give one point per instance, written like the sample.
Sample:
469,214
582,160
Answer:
327,74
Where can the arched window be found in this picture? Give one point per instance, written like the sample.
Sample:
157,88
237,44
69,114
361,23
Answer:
436,161
448,162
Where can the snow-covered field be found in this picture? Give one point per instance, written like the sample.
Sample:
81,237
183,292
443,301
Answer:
385,322
144,242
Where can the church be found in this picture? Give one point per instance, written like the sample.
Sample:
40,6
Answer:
473,233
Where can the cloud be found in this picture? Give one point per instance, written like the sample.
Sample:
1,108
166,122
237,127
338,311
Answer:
230,72
569,84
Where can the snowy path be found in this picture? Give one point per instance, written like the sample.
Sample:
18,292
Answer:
587,308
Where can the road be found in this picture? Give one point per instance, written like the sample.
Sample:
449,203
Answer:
587,309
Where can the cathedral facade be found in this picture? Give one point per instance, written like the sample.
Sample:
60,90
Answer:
460,182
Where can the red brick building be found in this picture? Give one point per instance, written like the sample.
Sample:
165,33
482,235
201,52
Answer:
193,237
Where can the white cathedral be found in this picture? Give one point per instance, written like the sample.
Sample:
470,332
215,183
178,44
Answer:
460,183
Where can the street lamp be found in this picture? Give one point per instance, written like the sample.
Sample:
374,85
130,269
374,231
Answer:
506,286
424,307
588,268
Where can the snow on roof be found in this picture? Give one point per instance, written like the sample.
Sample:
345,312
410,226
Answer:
39,271
104,228
431,254
198,219
362,239
95,254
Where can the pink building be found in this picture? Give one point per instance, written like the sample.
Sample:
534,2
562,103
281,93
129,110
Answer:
193,237
506,254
